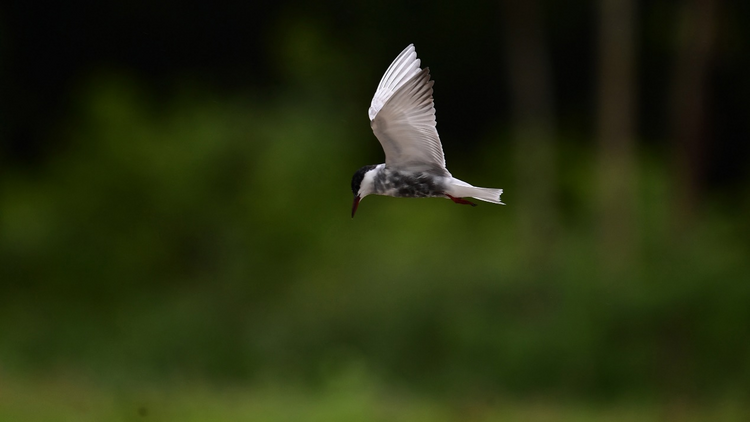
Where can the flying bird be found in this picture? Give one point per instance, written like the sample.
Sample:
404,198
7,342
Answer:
402,116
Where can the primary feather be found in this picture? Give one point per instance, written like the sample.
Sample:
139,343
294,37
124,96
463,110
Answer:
404,66
403,116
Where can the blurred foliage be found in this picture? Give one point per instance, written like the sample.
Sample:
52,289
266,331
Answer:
193,237
355,395
209,237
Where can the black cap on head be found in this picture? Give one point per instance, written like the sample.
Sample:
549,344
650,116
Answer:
358,176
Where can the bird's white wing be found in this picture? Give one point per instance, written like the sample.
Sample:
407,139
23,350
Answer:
401,70
405,124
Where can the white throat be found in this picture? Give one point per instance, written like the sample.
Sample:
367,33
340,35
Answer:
367,187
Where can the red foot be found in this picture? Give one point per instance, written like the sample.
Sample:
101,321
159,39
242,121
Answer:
460,200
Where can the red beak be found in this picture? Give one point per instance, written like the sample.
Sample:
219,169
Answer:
355,205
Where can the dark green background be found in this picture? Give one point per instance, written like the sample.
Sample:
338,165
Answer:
175,201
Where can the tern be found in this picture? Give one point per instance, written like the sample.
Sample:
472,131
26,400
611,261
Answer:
402,116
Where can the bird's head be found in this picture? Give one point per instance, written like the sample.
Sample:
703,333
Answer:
362,185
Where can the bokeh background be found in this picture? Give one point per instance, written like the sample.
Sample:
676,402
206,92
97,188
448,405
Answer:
175,231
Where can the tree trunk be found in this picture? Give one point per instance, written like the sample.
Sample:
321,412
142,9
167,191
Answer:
688,117
534,124
616,161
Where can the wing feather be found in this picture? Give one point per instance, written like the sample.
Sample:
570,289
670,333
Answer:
406,127
403,68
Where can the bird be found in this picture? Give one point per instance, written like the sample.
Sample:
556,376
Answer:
402,117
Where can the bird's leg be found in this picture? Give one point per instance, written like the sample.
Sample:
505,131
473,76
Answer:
460,200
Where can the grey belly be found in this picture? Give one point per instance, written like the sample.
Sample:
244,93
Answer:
409,185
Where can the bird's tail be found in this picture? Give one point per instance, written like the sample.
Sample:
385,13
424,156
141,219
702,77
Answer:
462,189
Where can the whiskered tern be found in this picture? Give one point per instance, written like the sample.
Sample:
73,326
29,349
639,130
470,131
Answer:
402,116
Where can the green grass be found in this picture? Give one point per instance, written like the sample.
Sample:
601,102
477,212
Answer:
69,398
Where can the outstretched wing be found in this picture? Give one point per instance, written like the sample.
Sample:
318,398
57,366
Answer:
402,116
401,70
